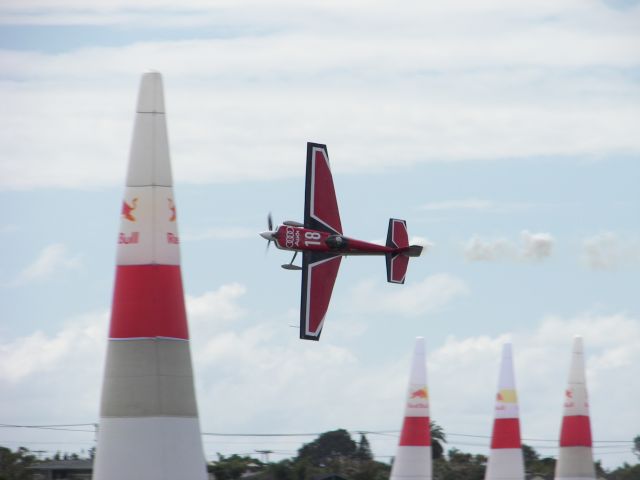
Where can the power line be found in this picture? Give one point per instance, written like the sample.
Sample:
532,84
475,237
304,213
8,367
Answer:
53,427
64,427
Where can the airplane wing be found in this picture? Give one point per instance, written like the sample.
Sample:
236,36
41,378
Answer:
320,204
319,272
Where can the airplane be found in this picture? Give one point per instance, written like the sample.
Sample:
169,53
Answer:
323,245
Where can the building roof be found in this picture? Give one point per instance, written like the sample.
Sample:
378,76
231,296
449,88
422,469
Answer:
83,464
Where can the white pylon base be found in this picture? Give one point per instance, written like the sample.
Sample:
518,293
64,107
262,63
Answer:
575,463
412,463
162,448
505,464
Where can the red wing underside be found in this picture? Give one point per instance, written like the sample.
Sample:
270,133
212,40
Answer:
319,272
320,204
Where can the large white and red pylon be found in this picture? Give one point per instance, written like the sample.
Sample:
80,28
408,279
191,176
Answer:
149,426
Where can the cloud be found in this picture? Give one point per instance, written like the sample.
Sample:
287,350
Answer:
418,298
455,83
40,354
252,378
465,371
425,243
533,247
221,303
607,251
52,259
536,246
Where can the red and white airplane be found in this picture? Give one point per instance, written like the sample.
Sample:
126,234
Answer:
323,245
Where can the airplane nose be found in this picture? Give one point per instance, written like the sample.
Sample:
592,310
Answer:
267,235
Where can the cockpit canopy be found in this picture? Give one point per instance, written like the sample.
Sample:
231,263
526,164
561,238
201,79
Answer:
336,241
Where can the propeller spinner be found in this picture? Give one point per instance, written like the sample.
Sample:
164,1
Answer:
269,235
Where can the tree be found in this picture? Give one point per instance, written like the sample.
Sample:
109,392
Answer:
13,465
363,452
281,471
328,447
231,468
625,472
438,437
636,446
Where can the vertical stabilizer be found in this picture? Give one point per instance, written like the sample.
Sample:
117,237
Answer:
505,460
575,459
413,457
149,427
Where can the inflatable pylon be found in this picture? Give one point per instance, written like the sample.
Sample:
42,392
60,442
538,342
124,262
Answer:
575,459
506,461
149,426
413,457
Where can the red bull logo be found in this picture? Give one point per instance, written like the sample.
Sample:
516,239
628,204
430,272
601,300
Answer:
418,398
173,239
420,393
123,239
507,396
172,209
570,400
127,209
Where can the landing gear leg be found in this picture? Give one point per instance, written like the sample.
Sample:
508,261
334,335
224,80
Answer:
290,265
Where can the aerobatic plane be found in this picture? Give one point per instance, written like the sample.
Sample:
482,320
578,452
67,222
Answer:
323,245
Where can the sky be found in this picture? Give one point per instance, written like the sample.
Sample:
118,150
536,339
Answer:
506,134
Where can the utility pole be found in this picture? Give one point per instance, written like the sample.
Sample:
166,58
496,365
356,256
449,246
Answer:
265,455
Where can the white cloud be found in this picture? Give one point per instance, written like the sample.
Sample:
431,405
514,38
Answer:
536,246
40,354
415,298
465,371
607,251
51,260
441,83
425,243
532,247
478,249
251,377
221,304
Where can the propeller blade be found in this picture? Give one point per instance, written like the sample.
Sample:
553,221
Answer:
270,222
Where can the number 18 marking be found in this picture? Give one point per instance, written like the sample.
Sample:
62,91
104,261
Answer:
311,238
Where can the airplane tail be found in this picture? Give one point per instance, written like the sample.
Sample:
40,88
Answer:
398,261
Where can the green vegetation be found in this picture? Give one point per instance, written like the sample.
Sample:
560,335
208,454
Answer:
336,453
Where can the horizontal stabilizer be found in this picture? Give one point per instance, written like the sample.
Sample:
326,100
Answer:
396,267
398,261
397,235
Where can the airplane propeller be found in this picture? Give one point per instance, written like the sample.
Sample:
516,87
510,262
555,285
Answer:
269,234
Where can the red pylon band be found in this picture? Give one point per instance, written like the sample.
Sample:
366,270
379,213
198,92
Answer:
576,431
506,433
415,432
148,302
